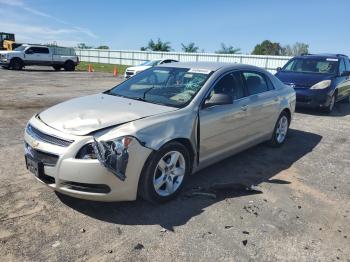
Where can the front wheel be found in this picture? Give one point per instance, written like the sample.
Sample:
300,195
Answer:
281,130
164,173
346,100
16,64
330,107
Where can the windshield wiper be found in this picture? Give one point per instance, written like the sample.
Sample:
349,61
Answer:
148,90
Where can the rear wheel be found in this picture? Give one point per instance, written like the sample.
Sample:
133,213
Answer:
281,130
69,66
16,64
57,67
164,173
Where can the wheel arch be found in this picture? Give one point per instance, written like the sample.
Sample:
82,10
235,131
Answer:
288,112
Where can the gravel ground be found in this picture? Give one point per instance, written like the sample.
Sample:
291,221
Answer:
296,207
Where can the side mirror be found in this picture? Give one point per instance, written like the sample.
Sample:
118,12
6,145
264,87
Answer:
345,73
278,69
218,99
29,52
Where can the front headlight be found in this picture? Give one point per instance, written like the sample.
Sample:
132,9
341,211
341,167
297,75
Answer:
117,145
113,154
322,85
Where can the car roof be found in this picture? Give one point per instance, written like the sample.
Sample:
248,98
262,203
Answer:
212,66
322,56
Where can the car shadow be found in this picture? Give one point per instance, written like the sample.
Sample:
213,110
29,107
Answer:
340,109
230,178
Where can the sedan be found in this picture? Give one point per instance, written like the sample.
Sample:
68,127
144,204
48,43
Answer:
145,136
133,70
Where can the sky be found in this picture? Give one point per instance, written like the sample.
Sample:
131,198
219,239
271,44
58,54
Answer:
126,25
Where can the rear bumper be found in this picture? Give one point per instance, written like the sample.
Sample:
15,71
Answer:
313,98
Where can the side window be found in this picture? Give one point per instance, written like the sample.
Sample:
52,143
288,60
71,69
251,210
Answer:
347,64
230,84
30,51
166,61
341,66
41,50
255,82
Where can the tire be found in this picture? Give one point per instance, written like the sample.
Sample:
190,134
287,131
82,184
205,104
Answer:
16,64
281,130
330,107
159,182
346,100
57,67
69,66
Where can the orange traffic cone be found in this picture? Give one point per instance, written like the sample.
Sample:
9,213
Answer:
89,68
115,73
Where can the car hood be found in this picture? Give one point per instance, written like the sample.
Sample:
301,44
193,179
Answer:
301,79
84,115
138,68
10,52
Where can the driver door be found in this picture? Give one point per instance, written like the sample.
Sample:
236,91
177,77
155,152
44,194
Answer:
222,127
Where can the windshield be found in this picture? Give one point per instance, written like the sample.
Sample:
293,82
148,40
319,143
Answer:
163,85
150,63
20,48
312,65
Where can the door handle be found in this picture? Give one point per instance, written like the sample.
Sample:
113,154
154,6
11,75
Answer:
276,99
244,108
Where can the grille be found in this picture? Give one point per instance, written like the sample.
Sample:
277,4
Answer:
33,132
40,156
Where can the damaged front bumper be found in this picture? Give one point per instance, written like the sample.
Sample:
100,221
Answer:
113,177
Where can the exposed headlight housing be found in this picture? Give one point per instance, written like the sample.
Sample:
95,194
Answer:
113,154
86,152
322,85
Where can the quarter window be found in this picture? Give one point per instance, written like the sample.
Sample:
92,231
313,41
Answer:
255,82
347,64
230,84
341,66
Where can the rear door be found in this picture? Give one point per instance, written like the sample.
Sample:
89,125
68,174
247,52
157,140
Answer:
263,104
222,127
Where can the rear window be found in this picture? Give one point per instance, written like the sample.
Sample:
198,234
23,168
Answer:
312,65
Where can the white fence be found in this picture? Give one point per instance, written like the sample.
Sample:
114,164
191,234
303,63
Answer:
124,57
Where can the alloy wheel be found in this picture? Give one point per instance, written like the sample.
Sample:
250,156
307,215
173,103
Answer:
282,129
169,173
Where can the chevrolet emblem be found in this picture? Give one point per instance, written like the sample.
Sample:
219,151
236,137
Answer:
34,144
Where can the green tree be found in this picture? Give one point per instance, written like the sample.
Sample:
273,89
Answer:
267,48
190,48
228,50
296,49
159,45
103,47
83,46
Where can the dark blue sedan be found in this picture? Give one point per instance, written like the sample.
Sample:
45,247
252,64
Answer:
319,80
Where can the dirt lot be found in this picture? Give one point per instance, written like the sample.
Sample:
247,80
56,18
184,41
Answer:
299,209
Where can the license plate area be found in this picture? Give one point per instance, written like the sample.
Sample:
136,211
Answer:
34,166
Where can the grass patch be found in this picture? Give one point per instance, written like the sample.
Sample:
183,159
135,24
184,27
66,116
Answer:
98,67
